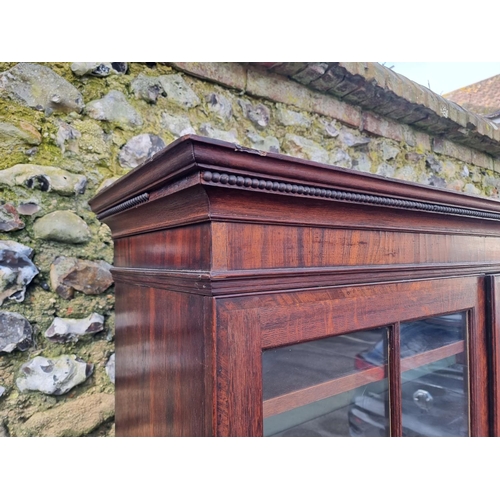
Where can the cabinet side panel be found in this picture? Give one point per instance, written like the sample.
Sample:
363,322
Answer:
182,248
163,355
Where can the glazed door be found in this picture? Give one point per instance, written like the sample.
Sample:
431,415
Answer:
392,359
408,379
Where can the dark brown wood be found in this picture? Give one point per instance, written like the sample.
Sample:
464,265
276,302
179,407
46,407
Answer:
279,247
181,248
230,251
478,361
301,316
239,375
493,314
395,368
188,206
154,395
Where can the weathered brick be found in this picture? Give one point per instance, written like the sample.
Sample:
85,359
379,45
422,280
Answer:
381,127
278,88
228,74
496,165
484,127
348,84
415,115
328,80
443,146
329,106
312,72
482,160
289,68
355,68
409,136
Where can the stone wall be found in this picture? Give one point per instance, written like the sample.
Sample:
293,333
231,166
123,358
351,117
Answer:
68,129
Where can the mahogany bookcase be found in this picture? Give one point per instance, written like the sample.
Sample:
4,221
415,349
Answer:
259,294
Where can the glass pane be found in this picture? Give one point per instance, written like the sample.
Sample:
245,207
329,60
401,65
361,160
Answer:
335,386
434,376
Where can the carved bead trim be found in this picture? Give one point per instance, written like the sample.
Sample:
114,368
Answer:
335,194
133,202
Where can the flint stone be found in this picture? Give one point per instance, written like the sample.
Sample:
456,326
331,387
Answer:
101,69
62,226
215,133
15,332
177,125
68,274
406,173
67,133
330,129
433,163
434,180
258,114
292,118
28,208
471,189
10,135
457,185
139,149
40,88
110,368
114,108
53,375
413,157
386,170
16,247
449,169
362,163
16,270
9,218
44,178
220,105
389,152
305,148
72,330
147,88
268,143
178,91
351,140
341,158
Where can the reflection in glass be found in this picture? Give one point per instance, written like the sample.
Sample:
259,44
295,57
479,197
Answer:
335,386
434,376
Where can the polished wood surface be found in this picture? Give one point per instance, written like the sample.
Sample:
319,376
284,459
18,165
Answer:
395,391
493,300
164,352
228,251
300,316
